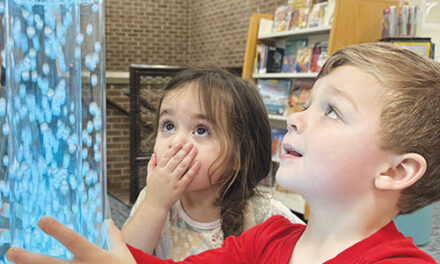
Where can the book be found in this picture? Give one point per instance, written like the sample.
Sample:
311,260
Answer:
290,50
281,20
298,95
319,56
275,94
274,59
302,59
316,15
261,58
265,26
277,138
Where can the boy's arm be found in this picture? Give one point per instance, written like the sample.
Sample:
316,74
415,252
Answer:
166,181
83,250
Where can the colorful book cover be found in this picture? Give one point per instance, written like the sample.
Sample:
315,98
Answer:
302,59
275,93
319,56
281,19
290,50
298,94
316,15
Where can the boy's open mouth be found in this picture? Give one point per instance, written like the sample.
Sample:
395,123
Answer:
288,149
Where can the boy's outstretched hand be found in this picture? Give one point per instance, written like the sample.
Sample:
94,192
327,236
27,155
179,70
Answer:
83,250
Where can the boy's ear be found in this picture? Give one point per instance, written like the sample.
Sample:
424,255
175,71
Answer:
404,171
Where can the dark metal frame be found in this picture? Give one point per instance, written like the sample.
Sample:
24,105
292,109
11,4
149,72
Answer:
136,156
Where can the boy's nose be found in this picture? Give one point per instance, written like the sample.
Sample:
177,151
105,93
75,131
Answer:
295,122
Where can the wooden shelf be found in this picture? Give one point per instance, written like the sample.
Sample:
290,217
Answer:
298,32
285,75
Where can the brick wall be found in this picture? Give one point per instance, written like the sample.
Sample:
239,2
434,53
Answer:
218,29
146,32
179,32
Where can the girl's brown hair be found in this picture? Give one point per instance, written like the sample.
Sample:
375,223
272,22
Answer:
410,119
238,115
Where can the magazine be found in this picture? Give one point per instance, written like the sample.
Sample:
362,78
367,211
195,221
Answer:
298,95
292,46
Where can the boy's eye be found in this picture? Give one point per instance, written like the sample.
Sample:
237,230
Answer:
202,131
168,127
331,113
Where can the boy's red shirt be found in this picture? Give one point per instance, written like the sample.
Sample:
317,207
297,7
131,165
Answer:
273,242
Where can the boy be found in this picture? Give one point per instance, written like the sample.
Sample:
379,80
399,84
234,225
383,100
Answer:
364,150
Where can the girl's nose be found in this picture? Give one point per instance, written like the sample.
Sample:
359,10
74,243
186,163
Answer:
178,138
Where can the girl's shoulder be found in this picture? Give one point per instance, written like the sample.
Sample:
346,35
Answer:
262,206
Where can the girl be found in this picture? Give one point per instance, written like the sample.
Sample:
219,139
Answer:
208,158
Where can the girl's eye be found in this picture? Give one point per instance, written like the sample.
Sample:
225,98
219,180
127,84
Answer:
331,113
168,126
202,131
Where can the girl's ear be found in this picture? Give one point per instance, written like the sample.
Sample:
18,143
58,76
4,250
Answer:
404,171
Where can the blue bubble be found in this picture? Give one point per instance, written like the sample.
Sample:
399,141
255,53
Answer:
89,29
6,160
22,90
97,46
79,39
66,161
97,123
72,119
96,148
25,76
2,106
30,31
84,153
64,188
95,8
36,43
98,138
32,53
94,80
90,126
72,148
5,129
67,20
97,156
34,76
89,141
77,53
46,69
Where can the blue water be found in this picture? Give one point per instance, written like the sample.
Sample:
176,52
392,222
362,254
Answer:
52,115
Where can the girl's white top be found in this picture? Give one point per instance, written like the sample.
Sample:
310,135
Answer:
183,236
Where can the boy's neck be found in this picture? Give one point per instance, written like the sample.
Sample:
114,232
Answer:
330,232
200,205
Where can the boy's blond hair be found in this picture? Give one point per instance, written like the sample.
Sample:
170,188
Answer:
410,119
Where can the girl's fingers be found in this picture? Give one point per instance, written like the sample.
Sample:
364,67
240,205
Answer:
22,256
189,175
168,155
179,157
75,243
185,163
151,164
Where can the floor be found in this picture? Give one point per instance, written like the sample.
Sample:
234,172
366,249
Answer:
119,212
